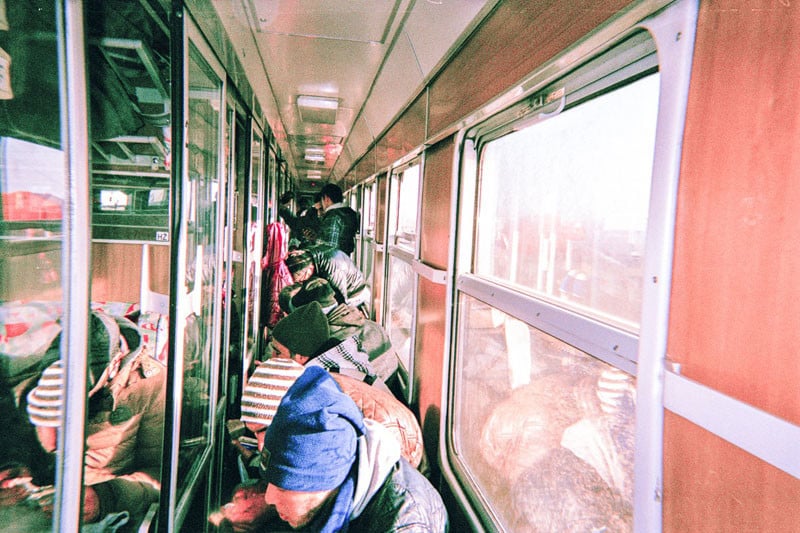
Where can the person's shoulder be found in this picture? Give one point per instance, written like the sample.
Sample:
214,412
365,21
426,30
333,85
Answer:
407,501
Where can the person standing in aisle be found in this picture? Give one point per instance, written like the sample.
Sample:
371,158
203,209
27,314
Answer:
339,223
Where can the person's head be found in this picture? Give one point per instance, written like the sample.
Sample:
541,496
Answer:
300,264
310,451
315,289
286,198
331,194
302,334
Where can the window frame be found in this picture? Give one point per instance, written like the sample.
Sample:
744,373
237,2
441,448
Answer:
404,254
672,30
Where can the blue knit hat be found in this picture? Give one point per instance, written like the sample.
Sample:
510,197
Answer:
311,443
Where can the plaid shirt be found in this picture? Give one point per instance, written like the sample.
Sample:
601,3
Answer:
338,228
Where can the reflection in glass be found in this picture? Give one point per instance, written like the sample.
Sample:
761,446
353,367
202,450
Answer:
202,197
400,306
564,203
253,252
32,204
545,430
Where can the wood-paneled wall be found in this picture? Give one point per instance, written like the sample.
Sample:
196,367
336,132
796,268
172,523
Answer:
735,309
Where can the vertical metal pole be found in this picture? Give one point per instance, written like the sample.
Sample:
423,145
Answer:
68,506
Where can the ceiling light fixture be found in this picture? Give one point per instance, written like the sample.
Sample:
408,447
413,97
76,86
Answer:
320,109
315,153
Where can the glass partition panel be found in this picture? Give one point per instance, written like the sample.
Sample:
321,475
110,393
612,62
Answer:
202,198
33,182
545,431
563,204
254,250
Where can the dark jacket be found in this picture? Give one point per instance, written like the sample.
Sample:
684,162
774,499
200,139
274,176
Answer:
342,273
345,321
406,502
303,227
338,228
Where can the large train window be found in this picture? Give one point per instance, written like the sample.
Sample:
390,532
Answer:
549,297
565,204
400,280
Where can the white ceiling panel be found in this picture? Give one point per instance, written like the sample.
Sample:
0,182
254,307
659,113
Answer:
434,27
338,49
360,138
397,83
365,21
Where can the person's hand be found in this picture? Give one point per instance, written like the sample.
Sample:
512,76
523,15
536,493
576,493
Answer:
15,484
91,505
247,511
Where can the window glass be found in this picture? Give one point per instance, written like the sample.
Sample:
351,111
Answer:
198,304
399,319
254,249
368,213
33,190
563,204
403,209
545,431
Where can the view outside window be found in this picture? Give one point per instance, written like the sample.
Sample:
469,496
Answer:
403,209
401,280
563,204
546,430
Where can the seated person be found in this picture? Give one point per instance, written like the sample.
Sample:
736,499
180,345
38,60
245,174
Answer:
304,335
342,273
271,379
264,391
346,321
262,395
329,469
125,419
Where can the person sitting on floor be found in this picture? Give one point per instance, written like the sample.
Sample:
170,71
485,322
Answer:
125,425
329,469
345,321
342,273
304,335
247,510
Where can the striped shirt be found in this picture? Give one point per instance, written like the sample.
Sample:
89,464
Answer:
266,387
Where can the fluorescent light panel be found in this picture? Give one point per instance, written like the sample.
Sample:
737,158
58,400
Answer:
317,109
317,102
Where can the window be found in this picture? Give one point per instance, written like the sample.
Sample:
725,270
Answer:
401,281
543,396
403,207
565,204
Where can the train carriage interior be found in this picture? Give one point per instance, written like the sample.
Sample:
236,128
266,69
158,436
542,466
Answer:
575,233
